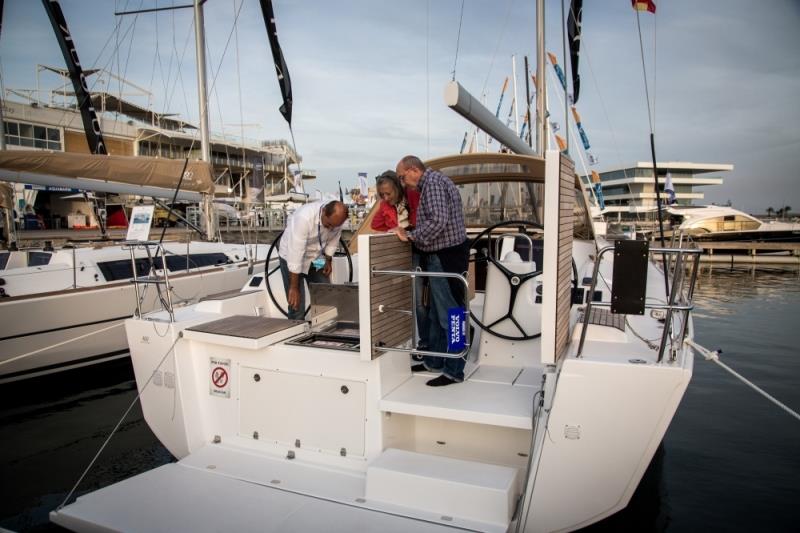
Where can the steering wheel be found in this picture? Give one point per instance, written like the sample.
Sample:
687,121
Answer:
515,281
268,272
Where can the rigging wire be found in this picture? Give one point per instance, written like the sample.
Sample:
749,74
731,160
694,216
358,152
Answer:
130,49
458,39
497,46
585,54
105,66
119,423
428,72
653,154
644,72
239,84
655,70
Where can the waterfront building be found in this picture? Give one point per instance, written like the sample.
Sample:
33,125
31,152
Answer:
630,191
246,170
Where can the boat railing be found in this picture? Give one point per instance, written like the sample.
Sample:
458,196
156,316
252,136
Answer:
152,249
679,298
413,274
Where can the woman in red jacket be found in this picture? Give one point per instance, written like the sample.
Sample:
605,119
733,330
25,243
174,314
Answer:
398,206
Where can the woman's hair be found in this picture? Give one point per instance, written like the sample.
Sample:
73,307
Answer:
390,177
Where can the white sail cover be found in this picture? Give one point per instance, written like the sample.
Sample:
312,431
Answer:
135,170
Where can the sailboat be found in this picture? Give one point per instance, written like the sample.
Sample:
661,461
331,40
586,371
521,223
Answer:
576,365
64,309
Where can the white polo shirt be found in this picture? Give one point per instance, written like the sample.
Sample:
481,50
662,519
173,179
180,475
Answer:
305,238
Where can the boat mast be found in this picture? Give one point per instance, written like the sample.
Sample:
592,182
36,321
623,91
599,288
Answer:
202,95
541,137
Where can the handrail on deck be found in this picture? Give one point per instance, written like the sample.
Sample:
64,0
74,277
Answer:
684,301
414,274
160,250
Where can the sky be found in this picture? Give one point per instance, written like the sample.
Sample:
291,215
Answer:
368,77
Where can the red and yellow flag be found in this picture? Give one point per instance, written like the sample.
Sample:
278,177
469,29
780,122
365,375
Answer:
562,142
644,5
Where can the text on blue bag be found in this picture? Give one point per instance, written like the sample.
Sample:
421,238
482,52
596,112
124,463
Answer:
457,338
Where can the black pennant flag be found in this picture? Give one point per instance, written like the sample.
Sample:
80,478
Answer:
574,34
277,56
91,124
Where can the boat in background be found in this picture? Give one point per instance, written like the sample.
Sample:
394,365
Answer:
715,223
64,308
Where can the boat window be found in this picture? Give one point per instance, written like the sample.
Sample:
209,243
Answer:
488,203
38,258
485,168
582,226
178,262
4,259
121,269
724,223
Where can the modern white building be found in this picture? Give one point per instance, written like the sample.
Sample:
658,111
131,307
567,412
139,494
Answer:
631,189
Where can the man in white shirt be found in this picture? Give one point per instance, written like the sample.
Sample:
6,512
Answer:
306,250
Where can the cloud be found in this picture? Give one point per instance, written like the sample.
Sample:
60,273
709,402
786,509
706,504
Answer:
368,77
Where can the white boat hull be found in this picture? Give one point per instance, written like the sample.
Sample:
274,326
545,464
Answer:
75,328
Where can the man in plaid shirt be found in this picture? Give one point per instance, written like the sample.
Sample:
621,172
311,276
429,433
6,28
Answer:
441,238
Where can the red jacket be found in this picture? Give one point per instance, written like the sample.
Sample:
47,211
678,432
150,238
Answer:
386,217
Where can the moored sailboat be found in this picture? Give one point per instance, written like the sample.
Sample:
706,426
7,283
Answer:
575,367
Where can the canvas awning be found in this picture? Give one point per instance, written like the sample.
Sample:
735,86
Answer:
135,170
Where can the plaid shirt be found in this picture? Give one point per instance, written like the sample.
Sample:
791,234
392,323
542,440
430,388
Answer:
440,215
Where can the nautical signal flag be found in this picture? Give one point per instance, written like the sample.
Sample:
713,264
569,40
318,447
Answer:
297,179
362,182
562,143
557,68
584,138
669,189
644,5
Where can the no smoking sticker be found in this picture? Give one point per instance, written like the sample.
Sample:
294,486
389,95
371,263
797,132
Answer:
219,377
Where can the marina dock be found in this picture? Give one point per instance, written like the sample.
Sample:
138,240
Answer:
755,252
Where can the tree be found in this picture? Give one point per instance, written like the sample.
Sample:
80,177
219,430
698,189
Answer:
787,209
770,212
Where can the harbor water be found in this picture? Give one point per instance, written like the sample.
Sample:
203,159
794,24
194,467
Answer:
729,462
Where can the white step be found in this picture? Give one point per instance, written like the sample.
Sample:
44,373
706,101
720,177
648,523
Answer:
451,487
479,402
